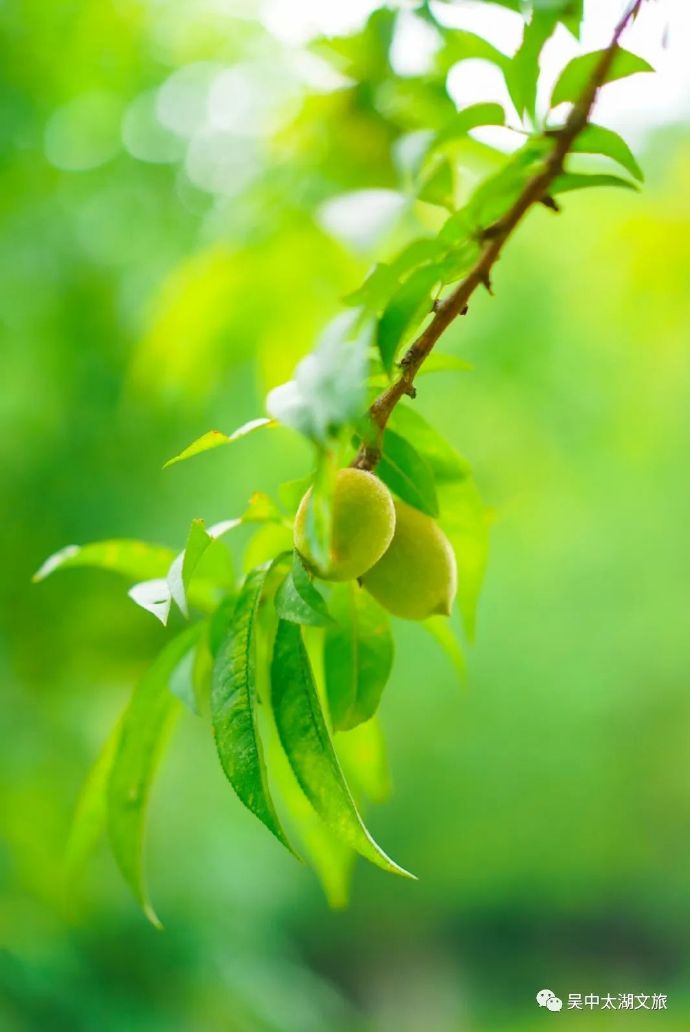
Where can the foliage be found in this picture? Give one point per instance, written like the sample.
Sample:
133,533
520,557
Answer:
286,668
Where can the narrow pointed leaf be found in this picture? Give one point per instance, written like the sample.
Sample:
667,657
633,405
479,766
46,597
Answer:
182,682
136,560
307,744
578,72
319,510
522,73
462,46
358,657
362,752
377,288
409,304
464,518
471,117
90,813
595,139
205,561
438,363
298,600
438,186
145,726
407,473
234,703
570,181
440,629
571,14
183,566
331,858
215,438
446,463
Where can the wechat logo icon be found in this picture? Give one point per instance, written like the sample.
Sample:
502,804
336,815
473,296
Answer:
545,998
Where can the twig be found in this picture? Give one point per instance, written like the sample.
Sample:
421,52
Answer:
536,191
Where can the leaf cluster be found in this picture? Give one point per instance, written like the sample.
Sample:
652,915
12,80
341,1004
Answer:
289,672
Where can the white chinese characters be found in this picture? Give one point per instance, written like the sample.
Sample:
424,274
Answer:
623,1001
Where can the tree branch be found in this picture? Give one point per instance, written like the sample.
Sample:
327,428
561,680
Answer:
536,191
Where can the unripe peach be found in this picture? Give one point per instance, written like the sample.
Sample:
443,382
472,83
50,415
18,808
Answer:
417,577
363,525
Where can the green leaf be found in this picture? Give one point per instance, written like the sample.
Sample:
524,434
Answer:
438,186
90,813
234,705
331,859
410,302
522,74
595,139
268,541
570,181
364,54
438,363
328,389
215,438
319,508
136,560
471,117
184,565
435,363
418,252
307,744
291,493
298,600
494,195
260,509
384,280
578,73
182,682
376,289
570,13
200,675
358,657
464,519
145,726
219,625
410,152
462,46
362,752
156,595
446,463
440,629
407,474
202,546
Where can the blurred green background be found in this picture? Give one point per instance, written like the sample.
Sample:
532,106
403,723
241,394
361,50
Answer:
165,258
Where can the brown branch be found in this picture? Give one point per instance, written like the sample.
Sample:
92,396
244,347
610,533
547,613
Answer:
536,191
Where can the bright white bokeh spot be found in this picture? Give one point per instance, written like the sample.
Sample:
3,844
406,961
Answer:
500,26
221,162
182,103
251,100
85,133
361,218
301,20
500,137
315,72
409,152
476,81
143,135
414,45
